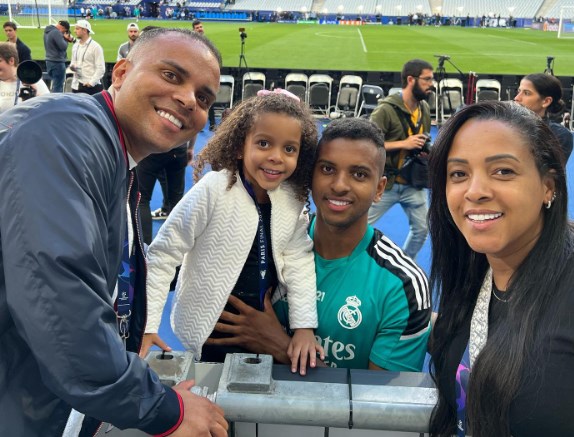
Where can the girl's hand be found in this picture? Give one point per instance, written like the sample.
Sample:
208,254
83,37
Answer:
303,345
152,339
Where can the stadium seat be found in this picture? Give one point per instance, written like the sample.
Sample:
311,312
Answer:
487,89
451,97
348,96
224,98
298,84
370,97
320,86
395,90
252,82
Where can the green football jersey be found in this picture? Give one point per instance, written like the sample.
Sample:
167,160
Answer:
373,305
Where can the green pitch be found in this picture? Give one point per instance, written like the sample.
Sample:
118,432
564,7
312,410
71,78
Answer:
366,48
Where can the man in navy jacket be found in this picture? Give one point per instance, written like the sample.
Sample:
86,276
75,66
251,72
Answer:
65,175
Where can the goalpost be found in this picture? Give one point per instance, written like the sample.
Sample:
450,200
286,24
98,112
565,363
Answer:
566,23
37,13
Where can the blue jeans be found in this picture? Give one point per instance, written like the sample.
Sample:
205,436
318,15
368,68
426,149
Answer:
414,203
57,72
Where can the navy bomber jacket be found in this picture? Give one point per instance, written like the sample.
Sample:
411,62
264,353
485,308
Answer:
63,187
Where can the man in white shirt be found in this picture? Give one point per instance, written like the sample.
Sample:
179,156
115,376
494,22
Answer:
87,62
133,33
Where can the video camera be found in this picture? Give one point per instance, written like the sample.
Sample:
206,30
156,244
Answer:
242,33
29,72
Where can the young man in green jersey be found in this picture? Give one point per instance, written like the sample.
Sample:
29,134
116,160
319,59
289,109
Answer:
373,301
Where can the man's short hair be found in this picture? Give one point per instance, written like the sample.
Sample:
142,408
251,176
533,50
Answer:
149,35
8,50
195,22
65,24
413,68
356,129
10,24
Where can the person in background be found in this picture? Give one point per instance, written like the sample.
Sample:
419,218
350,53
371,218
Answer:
405,120
542,94
88,62
10,85
56,40
67,189
133,33
503,262
11,31
223,235
373,301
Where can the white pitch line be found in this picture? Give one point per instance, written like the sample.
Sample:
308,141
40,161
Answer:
362,40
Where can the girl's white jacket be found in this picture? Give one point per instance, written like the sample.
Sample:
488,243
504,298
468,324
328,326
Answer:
210,233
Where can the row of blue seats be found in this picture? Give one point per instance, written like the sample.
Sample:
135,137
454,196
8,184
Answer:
222,15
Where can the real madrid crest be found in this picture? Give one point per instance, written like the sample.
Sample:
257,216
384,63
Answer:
349,315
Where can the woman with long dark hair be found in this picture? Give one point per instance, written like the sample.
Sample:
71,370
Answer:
503,344
542,94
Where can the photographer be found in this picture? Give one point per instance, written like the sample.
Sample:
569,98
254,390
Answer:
10,86
56,39
405,120
88,62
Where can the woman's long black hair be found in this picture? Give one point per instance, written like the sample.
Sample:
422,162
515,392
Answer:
457,273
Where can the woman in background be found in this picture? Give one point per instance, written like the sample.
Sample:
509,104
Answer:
502,259
542,94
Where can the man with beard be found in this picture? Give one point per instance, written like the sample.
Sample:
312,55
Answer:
133,33
405,120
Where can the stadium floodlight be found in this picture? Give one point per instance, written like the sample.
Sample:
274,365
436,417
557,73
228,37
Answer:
37,13
566,23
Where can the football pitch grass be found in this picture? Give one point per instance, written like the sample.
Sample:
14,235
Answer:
354,48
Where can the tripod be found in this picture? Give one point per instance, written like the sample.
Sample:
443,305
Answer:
242,60
440,75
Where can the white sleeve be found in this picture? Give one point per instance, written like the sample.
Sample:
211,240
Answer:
175,240
299,274
100,65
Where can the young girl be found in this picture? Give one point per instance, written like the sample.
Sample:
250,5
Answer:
241,229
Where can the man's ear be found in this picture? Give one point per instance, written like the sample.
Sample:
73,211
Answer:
380,189
119,73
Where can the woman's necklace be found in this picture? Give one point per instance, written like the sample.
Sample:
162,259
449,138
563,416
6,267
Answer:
495,292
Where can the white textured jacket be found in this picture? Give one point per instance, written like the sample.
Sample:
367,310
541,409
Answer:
210,233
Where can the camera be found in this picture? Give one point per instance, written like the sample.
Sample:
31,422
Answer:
29,72
242,33
427,145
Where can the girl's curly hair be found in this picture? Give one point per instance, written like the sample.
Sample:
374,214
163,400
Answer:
227,143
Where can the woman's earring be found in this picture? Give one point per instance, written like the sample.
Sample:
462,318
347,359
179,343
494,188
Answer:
549,204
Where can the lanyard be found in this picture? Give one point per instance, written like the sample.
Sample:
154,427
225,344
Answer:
461,388
262,245
126,282
79,46
126,277
16,95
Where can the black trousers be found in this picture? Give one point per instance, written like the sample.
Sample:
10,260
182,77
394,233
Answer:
173,164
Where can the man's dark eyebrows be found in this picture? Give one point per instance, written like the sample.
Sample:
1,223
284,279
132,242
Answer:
183,72
363,168
176,67
325,162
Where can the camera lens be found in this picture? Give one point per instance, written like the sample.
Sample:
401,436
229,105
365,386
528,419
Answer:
29,72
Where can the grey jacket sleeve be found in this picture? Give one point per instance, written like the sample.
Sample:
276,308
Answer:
63,201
